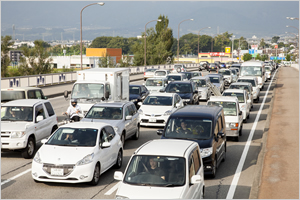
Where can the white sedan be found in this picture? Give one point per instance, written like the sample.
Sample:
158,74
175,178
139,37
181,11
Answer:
78,152
156,108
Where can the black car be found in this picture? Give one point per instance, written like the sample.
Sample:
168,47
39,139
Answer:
213,67
187,90
203,65
137,93
204,125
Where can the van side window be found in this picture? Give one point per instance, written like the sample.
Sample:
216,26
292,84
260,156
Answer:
216,129
191,168
39,110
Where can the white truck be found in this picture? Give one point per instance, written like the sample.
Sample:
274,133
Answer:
100,85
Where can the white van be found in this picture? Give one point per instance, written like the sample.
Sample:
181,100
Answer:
254,68
9,94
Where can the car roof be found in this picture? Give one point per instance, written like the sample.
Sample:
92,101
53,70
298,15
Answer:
199,77
180,82
160,78
96,125
248,77
177,74
251,63
24,102
241,83
214,75
162,94
113,104
20,88
223,98
168,147
234,91
202,111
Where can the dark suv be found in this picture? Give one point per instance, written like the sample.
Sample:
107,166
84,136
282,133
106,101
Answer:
187,90
204,125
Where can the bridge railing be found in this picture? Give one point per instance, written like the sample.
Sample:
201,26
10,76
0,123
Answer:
66,77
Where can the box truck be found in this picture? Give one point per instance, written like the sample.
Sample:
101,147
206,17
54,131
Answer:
100,85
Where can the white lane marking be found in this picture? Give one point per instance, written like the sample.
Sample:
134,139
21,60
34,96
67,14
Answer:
239,168
109,192
10,179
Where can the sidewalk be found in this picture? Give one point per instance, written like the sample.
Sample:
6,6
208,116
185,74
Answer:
280,170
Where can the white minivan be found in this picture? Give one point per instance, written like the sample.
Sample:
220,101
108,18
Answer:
163,169
254,68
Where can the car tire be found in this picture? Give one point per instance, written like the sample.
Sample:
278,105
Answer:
178,70
224,158
237,138
96,175
119,160
123,139
30,149
241,130
248,115
137,134
145,79
214,168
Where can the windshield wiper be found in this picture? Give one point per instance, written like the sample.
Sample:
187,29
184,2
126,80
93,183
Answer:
171,185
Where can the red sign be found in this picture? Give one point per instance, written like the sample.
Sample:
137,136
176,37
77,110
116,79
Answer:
276,46
217,54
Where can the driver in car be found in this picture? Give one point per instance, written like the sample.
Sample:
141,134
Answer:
184,129
154,169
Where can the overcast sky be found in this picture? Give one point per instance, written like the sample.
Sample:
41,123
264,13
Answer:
128,18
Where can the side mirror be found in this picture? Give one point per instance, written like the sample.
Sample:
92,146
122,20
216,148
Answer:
249,101
196,179
177,105
106,95
39,118
118,176
196,91
105,145
220,134
240,113
66,94
160,132
128,117
43,141
139,103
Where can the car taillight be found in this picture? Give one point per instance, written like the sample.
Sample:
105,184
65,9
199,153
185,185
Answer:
144,73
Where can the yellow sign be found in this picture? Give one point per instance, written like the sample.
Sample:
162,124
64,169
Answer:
227,49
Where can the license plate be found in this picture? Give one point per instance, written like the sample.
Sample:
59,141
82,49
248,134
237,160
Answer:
212,67
152,119
57,172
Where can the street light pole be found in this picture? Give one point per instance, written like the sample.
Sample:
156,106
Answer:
101,4
198,41
159,20
178,38
212,47
232,46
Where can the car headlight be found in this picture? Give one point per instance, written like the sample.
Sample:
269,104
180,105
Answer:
86,160
233,124
121,197
186,100
168,112
140,111
134,100
37,158
17,134
206,152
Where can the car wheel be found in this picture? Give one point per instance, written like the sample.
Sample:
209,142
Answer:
119,161
145,79
137,134
214,168
245,120
240,132
224,158
96,175
248,115
29,151
237,138
123,139
178,70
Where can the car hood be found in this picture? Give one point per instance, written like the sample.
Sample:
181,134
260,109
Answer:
185,95
63,154
149,192
134,96
231,119
155,109
14,126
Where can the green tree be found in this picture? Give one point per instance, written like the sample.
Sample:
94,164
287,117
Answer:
5,60
264,57
275,39
288,57
36,60
247,57
106,62
258,57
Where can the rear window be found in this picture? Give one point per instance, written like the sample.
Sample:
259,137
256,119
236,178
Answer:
11,95
228,107
160,73
240,96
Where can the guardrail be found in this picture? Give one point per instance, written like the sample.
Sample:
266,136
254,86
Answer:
65,77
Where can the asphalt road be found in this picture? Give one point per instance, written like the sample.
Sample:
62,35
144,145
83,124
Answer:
234,177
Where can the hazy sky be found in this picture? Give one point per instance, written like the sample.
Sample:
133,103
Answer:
128,18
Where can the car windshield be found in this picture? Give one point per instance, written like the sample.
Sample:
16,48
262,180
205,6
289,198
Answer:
174,78
224,72
84,137
12,95
90,91
158,101
179,88
248,81
240,96
153,82
214,79
134,90
251,71
188,75
102,112
188,128
161,171
241,87
160,73
16,113
228,107
199,82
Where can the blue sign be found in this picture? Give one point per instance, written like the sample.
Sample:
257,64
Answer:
251,51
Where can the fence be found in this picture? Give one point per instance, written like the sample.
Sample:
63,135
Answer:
66,77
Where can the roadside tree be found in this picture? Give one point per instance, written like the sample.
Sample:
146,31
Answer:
5,60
